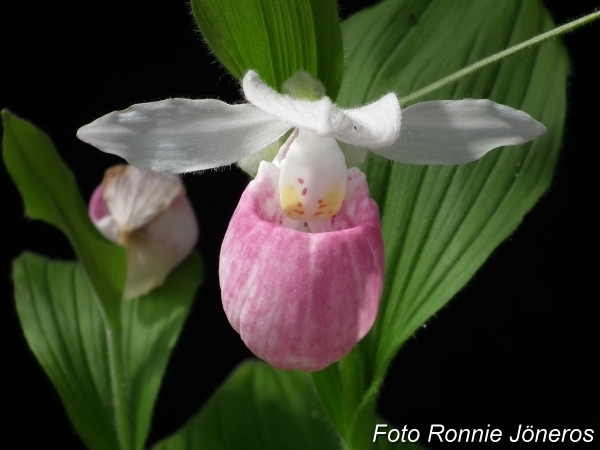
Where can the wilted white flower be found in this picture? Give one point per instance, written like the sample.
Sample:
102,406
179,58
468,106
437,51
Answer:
149,214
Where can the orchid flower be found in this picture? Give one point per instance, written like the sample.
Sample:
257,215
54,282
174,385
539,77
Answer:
148,214
301,267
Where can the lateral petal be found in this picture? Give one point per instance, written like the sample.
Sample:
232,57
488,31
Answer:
374,125
180,135
451,132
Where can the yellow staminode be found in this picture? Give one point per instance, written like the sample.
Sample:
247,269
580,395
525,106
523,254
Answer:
292,203
297,205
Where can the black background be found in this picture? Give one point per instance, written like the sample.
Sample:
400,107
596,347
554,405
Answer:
518,345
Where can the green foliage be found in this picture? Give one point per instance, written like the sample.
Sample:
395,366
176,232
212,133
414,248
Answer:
441,223
263,408
50,193
105,357
65,330
275,38
258,407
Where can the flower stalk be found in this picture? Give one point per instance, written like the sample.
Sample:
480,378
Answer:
120,397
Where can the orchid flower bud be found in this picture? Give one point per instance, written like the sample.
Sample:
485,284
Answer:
149,214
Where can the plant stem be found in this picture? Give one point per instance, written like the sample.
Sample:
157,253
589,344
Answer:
571,26
119,392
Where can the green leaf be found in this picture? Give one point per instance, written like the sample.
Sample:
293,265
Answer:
258,407
440,224
50,193
64,328
275,38
151,326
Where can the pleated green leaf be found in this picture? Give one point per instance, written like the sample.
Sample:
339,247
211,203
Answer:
440,224
50,193
275,38
64,328
258,407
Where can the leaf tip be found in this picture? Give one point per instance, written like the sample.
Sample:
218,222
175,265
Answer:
6,116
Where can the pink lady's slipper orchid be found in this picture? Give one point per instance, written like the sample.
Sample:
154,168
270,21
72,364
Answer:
302,261
149,214
302,299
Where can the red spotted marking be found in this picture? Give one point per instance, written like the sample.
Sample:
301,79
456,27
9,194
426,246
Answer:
299,204
318,213
304,191
320,201
300,180
299,212
322,206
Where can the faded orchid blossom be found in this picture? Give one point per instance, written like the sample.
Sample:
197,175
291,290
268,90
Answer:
301,267
149,214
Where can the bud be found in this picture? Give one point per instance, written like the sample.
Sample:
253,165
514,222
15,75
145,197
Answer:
149,214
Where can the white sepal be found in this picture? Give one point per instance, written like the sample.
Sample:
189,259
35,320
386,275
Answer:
374,125
180,135
456,132
148,214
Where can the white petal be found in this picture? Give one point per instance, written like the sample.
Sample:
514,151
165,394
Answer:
373,126
176,228
456,132
376,124
108,227
181,135
312,183
134,197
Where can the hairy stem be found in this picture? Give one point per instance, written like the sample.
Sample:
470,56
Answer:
456,76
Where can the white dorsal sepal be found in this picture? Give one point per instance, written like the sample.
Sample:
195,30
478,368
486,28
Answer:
312,184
